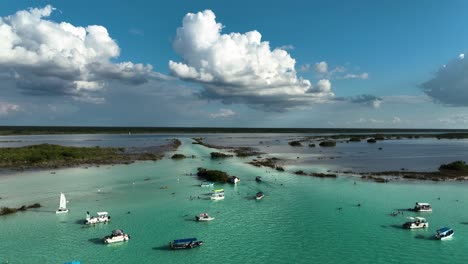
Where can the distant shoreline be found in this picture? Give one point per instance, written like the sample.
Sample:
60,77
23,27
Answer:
54,130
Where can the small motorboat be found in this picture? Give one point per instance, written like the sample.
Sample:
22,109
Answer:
62,205
117,236
203,217
233,179
416,222
422,207
258,179
217,195
259,196
186,243
206,184
102,217
444,233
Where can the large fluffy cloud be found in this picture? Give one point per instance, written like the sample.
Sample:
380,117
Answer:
239,67
44,57
449,85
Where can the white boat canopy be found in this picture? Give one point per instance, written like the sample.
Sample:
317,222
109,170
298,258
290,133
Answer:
423,204
102,213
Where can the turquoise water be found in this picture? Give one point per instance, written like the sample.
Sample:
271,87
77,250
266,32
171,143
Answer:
297,221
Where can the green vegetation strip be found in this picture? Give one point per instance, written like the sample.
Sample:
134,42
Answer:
54,156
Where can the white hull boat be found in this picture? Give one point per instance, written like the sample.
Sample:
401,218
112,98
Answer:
116,236
62,205
259,196
422,207
204,217
415,223
207,184
217,195
102,217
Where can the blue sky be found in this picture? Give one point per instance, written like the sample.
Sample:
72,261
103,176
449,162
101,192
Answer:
357,64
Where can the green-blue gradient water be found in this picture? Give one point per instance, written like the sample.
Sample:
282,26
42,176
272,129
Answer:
298,221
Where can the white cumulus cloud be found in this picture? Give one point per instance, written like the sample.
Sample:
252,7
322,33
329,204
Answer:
321,67
57,58
238,67
7,108
223,113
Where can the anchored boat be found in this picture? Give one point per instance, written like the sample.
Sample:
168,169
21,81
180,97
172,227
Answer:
186,243
117,236
102,217
204,217
62,205
234,179
444,233
422,207
259,196
217,195
258,179
207,184
416,222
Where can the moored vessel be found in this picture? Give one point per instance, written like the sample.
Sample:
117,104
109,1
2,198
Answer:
203,217
422,207
217,195
259,196
416,222
62,205
444,233
186,243
117,236
206,184
102,217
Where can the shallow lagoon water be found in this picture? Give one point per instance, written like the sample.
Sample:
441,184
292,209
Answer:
298,221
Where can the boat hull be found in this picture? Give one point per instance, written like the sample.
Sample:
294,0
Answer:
185,246
110,240
445,237
94,221
204,219
415,226
61,211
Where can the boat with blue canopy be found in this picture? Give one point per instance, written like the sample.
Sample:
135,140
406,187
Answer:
185,243
444,233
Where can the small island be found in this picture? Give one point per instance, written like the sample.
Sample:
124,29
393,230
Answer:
215,176
10,210
218,155
50,156
295,143
327,144
178,156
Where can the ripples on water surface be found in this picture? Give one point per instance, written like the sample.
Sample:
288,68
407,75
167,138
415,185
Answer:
298,221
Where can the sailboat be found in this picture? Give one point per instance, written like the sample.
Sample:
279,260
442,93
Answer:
63,205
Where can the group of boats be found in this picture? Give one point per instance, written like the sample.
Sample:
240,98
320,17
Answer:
420,222
118,235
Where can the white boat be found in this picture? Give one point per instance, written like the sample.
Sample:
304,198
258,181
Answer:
416,222
217,195
62,205
259,196
117,236
444,233
233,179
102,217
207,184
422,207
203,217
